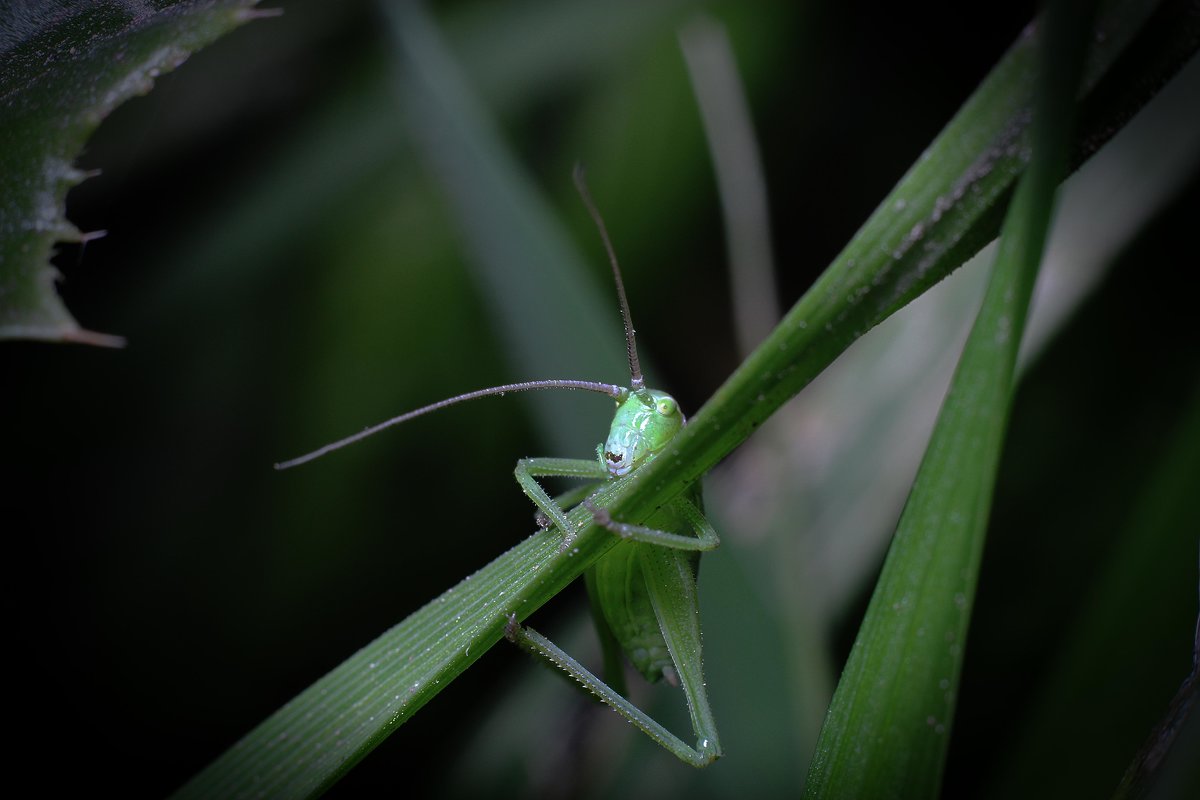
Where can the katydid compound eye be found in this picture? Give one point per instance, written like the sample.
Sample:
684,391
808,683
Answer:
666,407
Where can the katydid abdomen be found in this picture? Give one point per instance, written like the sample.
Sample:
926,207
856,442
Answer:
619,582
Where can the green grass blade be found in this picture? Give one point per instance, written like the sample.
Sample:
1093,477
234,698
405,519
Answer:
951,200
308,744
62,74
888,727
942,211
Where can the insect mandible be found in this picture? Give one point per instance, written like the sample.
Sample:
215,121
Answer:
645,586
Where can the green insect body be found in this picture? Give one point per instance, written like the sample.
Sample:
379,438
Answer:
643,589
640,430
625,604
621,587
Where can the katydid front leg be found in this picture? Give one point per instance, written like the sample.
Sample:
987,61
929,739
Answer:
707,539
529,469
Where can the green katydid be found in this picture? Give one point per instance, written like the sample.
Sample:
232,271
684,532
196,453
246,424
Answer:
643,590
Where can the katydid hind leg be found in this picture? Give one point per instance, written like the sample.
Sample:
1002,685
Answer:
533,642
671,581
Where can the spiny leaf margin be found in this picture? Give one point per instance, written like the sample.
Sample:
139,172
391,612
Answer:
63,72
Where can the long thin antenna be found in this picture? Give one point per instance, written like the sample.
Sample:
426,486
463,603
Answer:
636,381
613,391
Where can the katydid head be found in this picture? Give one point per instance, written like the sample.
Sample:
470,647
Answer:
644,424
